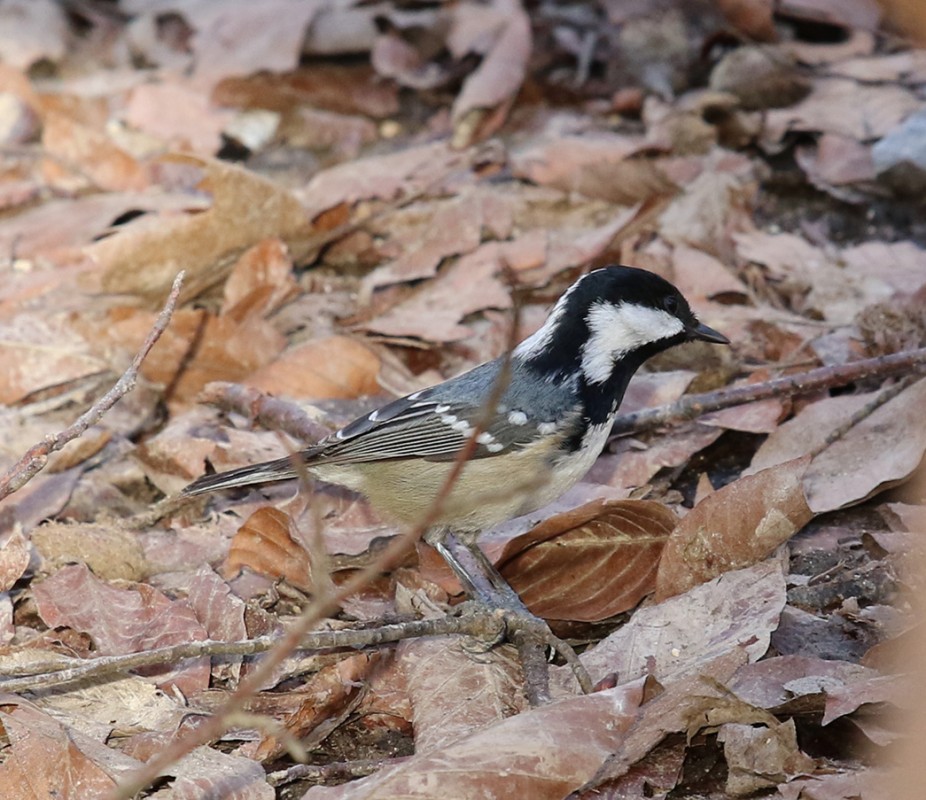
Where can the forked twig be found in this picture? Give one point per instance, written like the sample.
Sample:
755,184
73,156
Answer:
36,457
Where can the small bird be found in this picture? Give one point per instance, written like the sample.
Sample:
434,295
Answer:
550,423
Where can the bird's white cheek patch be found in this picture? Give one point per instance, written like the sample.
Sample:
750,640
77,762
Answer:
615,330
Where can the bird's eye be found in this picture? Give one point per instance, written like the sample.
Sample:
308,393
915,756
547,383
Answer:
670,303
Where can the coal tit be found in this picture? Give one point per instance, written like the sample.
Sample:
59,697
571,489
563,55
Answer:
551,422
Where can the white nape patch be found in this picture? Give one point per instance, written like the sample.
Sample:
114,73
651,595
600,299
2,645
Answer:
517,418
547,428
615,330
540,340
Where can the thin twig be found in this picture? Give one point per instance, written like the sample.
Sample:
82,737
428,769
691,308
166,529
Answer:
36,457
339,771
696,405
38,675
863,413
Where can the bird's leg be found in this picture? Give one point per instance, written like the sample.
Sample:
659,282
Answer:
478,575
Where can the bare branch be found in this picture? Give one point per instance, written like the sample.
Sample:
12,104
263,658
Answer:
36,457
696,405
479,624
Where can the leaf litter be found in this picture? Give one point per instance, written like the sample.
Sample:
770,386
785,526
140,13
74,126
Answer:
350,230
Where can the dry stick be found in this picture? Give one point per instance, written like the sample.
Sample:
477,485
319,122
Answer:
695,405
480,624
316,610
863,413
328,773
36,457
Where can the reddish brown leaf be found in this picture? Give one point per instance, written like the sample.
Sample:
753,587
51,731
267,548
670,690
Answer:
323,698
49,759
738,525
543,754
679,636
260,282
14,558
761,757
336,366
269,544
589,563
881,450
246,208
454,695
123,620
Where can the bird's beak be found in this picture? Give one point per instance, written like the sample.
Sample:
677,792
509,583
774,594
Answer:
706,334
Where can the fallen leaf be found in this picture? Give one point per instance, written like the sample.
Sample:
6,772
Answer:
48,759
589,563
260,282
246,208
738,525
678,636
760,758
124,621
211,773
497,79
880,451
336,366
110,551
14,558
543,753
93,154
32,30
843,107
269,544
455,695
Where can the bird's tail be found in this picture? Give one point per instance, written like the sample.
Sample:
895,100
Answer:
269,471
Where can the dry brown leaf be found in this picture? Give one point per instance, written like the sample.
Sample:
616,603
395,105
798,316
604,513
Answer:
679,636
39,352
760,758
207,772
453,694
738,525
345,88
433,313
238,37
843,107
543,754
32,30
336,366
49,759
269,544
589,563
880,451
178,115
323,698
124,621
260,282
246,208
14,558
753,18
497,79
93,154
112,553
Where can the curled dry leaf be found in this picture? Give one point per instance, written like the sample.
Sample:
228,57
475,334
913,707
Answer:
336,366
269,544
14,558
679,636
455,695
246,208
589,563
325,696
880,451
738,525
124,620
543,754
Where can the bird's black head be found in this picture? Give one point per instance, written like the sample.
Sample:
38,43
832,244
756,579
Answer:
607,324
